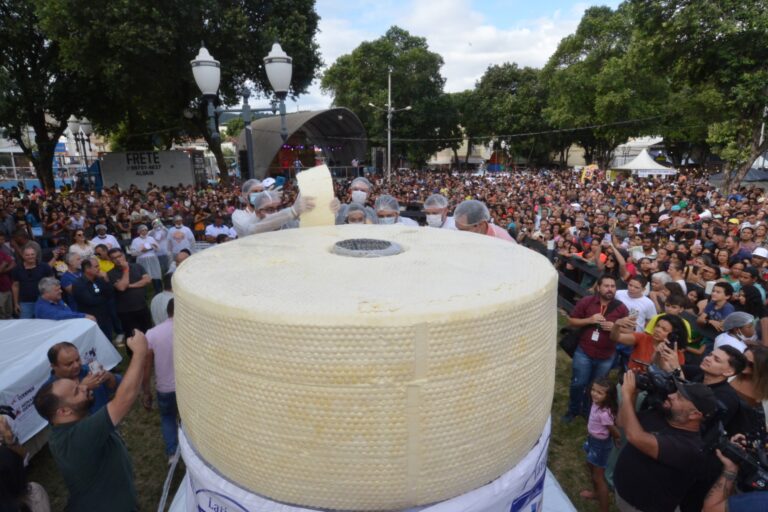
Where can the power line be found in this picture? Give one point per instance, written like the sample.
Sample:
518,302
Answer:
483,137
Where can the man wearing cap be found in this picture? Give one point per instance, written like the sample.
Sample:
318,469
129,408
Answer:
102,237
759,257
663,454
714,371
665,223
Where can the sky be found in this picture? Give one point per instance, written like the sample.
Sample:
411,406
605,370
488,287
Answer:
470,35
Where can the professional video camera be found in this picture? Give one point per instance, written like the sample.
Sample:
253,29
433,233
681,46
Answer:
751,459
657,383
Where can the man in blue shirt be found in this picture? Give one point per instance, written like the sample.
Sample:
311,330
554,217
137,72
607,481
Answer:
50,305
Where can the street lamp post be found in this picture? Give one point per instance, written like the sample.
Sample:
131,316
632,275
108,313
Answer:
390,111
207,73
81,131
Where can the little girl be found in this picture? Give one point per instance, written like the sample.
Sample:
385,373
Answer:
601,430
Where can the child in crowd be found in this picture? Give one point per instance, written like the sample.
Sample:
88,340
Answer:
601,435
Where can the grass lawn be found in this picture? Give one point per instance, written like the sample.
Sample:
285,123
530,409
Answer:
141,430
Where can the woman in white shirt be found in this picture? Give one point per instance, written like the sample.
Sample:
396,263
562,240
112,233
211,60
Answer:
144,248
160,234
82,247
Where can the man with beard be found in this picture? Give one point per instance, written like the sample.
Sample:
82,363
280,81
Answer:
594,316
91,456
664,451
180,237
66,364
720,365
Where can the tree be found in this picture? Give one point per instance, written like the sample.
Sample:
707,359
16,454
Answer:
234,127
511,100
722,46
360,78
135,57
573,77
471,117
36,90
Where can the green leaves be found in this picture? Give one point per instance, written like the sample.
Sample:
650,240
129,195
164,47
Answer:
360,78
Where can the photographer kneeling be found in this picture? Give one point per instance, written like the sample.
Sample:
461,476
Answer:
663,454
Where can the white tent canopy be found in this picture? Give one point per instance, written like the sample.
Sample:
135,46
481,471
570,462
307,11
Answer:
643,165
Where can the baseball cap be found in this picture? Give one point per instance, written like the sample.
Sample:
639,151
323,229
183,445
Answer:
733,221
663,217
99,227
700,395
268,182
676,208
760,252
737,319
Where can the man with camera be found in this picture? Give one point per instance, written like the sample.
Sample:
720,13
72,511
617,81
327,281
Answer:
721,498
660,461
714,371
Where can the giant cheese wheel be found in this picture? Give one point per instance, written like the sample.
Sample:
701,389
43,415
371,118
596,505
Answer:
375,383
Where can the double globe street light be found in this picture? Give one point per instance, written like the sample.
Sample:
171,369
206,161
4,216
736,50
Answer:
390,111
81,130
207,73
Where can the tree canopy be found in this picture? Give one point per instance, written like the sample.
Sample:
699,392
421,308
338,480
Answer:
125,65
360,78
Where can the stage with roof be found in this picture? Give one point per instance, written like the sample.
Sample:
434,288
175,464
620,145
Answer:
334,137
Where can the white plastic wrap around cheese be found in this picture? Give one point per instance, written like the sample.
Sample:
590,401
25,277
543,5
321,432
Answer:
364,383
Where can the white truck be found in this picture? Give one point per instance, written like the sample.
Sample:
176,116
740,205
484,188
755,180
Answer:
161,168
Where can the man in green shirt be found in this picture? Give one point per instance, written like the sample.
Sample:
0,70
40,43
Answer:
91,456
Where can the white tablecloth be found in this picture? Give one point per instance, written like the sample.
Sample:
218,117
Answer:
24,363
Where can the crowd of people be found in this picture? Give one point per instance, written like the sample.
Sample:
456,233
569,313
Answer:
671,271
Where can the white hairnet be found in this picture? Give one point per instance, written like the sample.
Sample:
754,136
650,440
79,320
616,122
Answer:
354,207
386,202
436,201
248,185
263,199
361,181
471,212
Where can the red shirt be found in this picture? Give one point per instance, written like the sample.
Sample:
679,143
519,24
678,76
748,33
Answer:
643,351
603,348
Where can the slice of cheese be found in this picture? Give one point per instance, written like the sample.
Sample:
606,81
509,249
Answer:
316,182
364,383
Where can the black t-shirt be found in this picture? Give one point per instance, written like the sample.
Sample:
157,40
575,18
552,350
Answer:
93,297
131,299
725,394
28,279
659,485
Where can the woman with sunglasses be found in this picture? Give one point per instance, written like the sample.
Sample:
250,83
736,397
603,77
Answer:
82,246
